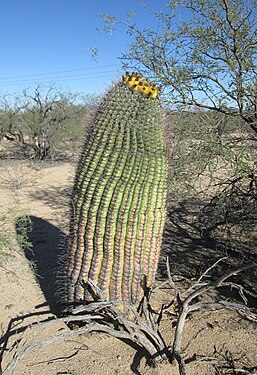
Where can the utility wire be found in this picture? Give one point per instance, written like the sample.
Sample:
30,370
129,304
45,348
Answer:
61,71
46,82
62,78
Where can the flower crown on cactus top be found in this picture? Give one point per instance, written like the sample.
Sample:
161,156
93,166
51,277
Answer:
141,84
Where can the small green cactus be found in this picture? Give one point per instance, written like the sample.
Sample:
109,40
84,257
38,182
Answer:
119,197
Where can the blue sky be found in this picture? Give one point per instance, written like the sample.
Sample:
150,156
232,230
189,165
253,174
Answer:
53,37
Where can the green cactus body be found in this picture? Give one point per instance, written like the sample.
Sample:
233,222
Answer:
119,198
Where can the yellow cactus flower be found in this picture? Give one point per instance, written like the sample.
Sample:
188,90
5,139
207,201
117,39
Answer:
141,84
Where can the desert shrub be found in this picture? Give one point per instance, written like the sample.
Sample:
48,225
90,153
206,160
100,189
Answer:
44,122
13,176
214,160
7,238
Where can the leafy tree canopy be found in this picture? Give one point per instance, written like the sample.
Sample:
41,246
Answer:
207,61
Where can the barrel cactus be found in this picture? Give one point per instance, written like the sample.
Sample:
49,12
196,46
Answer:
119,197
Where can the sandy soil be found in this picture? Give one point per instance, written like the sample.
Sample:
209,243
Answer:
27,293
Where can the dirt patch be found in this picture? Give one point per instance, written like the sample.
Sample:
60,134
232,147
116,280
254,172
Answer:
27,289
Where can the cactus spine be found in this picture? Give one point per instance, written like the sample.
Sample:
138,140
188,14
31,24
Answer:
119,197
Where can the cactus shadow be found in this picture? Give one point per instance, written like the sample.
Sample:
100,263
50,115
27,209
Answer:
43,249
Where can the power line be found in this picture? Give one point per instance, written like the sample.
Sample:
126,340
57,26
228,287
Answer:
85,78
62,78
60,71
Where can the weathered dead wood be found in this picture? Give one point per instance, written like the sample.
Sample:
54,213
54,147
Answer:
141,326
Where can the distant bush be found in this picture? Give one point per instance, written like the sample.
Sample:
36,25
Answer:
43,123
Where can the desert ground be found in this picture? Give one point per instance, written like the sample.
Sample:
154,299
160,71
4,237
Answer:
227,344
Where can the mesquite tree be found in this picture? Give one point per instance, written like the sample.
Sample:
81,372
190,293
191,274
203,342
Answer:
206,61
41,120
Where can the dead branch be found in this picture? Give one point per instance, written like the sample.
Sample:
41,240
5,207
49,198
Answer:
123,321
184,301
